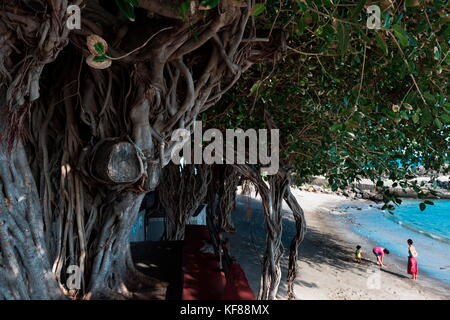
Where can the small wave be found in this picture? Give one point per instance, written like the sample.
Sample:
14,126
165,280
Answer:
415,229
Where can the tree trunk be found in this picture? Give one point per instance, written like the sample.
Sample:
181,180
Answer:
300,225
113,274
272,195
274,248
82,211
25,270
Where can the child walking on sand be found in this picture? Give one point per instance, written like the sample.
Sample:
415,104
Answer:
358,254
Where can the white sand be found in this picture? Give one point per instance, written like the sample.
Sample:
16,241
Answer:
326,266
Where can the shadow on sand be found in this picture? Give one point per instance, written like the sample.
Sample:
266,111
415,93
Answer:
317,248
395,274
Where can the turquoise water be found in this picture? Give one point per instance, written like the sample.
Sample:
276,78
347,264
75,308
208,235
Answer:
429,229
434,221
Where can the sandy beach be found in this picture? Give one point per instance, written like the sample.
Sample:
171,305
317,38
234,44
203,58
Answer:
326,267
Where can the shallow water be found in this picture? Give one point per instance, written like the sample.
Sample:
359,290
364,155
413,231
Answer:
429,229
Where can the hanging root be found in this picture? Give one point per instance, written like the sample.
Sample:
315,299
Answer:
181,194
227,198
272,195
300,225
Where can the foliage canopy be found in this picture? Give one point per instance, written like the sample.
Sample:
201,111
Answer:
353,102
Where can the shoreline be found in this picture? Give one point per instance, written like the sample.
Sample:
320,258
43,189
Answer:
366,189
395,263
399,261
326,266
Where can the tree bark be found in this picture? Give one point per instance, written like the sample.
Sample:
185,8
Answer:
25,271
113,274
300,226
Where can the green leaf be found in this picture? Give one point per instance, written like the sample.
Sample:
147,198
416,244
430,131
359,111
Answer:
427,117
438,123
127,9
184,8
210,3
301,26
358,9
429,202
445,117
429,97
422,206
362,34
100,58
381,43
302,6
335,127
402,36
255,87
415,117
412,41
342,38
258,9
387,20
99,48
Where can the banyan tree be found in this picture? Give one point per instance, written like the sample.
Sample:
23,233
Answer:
87,116
86,121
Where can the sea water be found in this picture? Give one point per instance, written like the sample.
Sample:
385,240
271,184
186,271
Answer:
429,229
